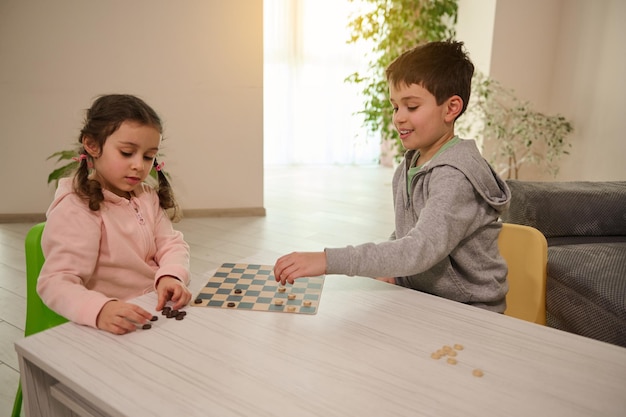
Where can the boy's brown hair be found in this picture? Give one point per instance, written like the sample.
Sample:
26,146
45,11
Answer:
443,68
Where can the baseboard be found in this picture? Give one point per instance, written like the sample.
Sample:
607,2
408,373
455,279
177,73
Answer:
225,212
22,218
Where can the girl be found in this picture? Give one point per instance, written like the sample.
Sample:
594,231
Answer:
107,237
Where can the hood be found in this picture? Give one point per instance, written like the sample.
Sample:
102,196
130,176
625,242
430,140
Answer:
467,158
64,189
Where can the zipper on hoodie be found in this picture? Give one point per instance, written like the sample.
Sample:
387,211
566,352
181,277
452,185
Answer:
409,196
135,206
408,199
138,214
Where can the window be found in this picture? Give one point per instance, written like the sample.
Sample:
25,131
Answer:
309,111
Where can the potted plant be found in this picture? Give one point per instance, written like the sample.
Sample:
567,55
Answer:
509,128
392,27
512,133
64,170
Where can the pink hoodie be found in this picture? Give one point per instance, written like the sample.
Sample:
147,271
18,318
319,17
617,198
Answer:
117,252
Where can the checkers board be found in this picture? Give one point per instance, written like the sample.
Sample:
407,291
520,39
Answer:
253,287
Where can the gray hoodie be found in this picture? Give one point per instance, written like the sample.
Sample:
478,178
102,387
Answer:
445,242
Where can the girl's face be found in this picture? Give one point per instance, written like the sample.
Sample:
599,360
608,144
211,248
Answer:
421,123
126,158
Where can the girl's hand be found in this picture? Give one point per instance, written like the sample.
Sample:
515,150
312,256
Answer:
389,280
299,264
171,288
118,317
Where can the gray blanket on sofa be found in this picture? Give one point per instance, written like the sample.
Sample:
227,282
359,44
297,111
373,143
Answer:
585,225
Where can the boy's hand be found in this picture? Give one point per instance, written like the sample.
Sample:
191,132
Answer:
171,288
299,264
118,317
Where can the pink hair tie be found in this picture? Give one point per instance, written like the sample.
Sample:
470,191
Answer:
80,157
159,167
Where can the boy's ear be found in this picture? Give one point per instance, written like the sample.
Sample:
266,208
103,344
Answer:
91,146
453,108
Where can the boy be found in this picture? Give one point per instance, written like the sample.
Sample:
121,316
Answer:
447,198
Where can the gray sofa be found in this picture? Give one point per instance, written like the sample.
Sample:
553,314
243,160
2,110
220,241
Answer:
585,226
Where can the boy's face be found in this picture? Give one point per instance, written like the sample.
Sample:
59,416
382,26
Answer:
420,122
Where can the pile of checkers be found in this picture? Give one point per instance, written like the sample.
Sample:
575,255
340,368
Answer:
169,313
450,353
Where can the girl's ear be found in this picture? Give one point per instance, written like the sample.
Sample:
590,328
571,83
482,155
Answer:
453,108
91,146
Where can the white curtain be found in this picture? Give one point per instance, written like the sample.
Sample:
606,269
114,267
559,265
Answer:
309,111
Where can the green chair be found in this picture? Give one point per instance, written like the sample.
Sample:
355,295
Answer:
38,316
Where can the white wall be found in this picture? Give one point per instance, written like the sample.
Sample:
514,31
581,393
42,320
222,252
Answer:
475,26
589,86
199,63
565,57
524,44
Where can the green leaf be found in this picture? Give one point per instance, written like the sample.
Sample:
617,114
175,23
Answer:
63,155
62,172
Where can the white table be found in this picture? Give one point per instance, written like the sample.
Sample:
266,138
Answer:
367,352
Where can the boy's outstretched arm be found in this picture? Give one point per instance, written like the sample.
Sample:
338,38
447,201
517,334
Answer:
298,265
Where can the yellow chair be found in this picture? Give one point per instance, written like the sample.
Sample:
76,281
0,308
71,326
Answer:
526,253
38,316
